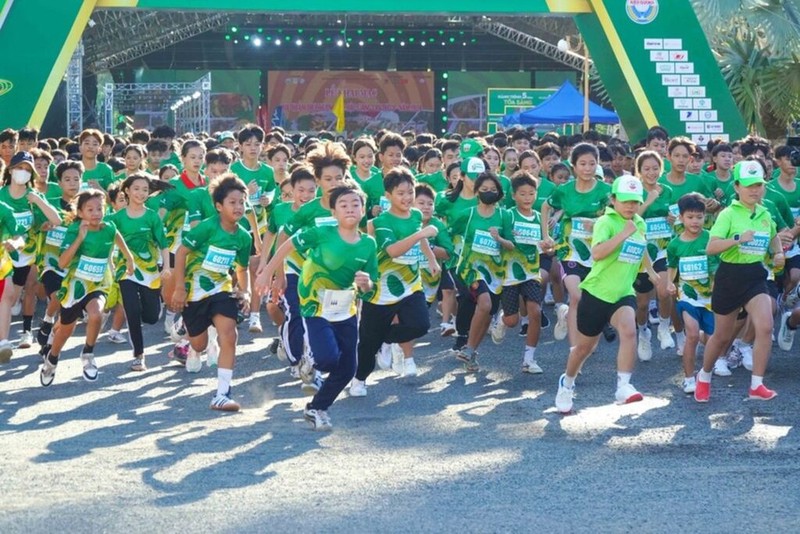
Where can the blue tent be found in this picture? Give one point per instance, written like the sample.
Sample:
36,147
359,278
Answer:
565,106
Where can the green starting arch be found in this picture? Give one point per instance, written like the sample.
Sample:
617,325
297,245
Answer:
652,55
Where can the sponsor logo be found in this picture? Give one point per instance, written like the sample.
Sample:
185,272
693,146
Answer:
642,11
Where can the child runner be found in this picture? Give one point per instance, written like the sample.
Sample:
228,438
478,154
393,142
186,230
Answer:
619,252
32,211
144,234
522,278
401,241
481,266
203,285
85,254
694,269
441,245
742,235
339,257
95,173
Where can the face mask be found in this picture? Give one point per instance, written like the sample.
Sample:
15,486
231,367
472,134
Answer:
20,176
488,197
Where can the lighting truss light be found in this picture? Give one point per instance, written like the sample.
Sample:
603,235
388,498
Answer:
278,42
196,95
257,41
299,42
319,42
339,42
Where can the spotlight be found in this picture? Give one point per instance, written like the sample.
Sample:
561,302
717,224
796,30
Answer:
339,42
361,43
299,42
319,42
277,42
257,41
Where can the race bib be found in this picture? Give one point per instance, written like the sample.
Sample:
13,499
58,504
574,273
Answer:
693,267
582,227
411,257
632,251
337,304
55,236
186,226
757,247
795,213
484,243
24,219
675,212
526,233
325,221
218,260
658,228
384,204
91,269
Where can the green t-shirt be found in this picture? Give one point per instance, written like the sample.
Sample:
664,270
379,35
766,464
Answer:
372,188
695,269
50,242
309,215
89,270
693,183
176,202
31,218
581,209
659,232
9,227
145,238
792,197
522,263
53,193
399,277
213,252
173,159
611,279
737,219
199,205
713,182
331,265
430,282
543,192
264,178
103,174
436,180
481,257
281,214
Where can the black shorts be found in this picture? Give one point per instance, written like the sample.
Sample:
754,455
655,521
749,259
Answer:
471,293
51,281
594,314
545,262
643,284
530,291
197,316
573,268
447,281
20,275
735,284
75,312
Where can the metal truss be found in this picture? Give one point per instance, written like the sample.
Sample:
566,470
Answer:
534,44
74,83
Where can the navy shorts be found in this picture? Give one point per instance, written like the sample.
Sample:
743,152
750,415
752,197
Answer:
703,316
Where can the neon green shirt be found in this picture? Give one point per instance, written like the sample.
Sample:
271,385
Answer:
737,219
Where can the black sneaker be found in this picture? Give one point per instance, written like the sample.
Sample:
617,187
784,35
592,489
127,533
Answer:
545,320
44,332
609,333
273,347
461,342
44,351
523,331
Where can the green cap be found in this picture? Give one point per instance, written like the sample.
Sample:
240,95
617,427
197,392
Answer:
628,187
224,136
748,173
469,149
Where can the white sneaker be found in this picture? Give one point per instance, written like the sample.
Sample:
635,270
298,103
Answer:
564,396
25,340
116,337
785,334
169,322
319,419
313,387
255,324
447,329
89,367
16,309
294,371
306,369
549,300
627,394
398,358
791,298
358,388
5,351
193,362
644,348
385,357
680,342
747,354
499,329
689,385
665,336
561,329
721,368
409,368
530,366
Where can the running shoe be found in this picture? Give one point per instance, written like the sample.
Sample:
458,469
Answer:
644,348
762,392
385,356
786,333
530,366
609,333
561,329
358,388
702,391
25,340
5,351
447,329
689,385
89,367
564,396
44,332
223,403
116,337
138,364
255,324
47,373
544,322
499,329
665,336
721,368
318,418
193,362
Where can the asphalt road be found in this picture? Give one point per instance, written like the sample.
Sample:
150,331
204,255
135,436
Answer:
446,451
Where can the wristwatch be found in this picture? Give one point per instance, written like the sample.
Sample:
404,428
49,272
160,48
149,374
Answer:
736,237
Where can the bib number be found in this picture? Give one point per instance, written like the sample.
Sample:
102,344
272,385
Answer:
91,269
658,228
24,219
56,236
384,204
581,228
675,212
337,304
218,260
632,251
484,243
693,267
757,247
325,221
527,233
411,257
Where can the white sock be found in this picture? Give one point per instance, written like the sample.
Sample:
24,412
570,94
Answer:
49,319
641,327
170,315
530,351
756,381
569,381
703,376
623,378
255,314
663,320
524,321
224,377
